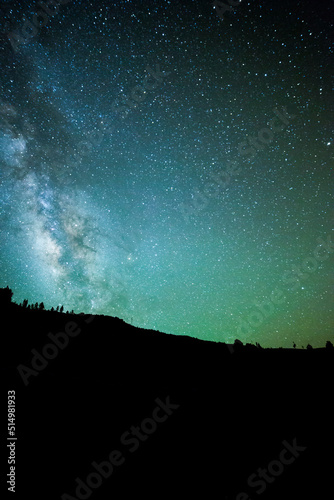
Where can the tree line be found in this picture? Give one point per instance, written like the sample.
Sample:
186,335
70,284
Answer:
6,295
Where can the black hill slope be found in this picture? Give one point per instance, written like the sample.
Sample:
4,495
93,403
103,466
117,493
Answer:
186,416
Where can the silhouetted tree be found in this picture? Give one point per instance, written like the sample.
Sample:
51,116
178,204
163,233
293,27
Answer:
6,295
61,309
294,345
329,345
57,308
52,309
309,346
36,305
25,303
258,345
41,306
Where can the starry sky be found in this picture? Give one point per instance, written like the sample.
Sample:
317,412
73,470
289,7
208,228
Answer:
171,164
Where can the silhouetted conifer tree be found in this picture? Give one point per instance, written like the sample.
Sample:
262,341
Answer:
6,295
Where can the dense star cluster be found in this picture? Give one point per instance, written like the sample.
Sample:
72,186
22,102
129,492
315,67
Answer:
171,164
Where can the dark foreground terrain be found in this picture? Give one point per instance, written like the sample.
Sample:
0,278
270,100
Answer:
114,412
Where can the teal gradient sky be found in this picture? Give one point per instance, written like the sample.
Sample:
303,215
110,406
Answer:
172,168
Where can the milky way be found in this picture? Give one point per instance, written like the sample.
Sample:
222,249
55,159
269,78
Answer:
171,164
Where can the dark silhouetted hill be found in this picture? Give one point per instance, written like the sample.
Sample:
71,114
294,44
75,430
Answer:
84,384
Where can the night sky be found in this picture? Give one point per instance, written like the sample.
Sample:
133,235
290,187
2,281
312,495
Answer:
171,164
